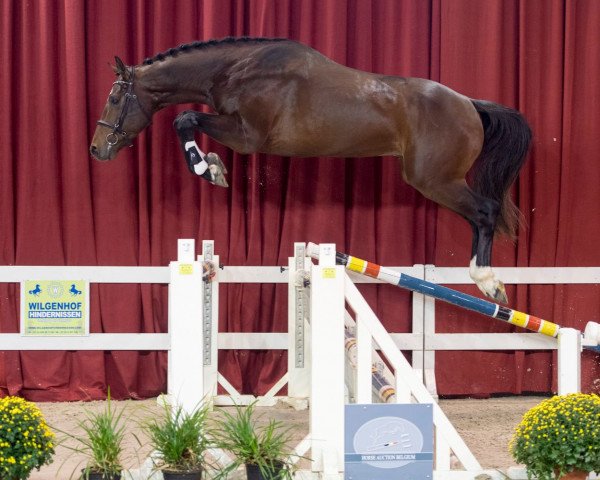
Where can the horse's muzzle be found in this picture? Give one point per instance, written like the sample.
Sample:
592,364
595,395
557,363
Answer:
99,154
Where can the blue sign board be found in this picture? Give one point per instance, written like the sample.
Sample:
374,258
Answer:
388,442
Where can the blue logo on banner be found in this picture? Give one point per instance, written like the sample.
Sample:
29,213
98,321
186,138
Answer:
389,441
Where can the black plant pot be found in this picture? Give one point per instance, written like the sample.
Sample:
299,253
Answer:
253,472
172,475
98,476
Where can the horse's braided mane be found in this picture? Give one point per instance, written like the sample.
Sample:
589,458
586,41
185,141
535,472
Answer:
186,47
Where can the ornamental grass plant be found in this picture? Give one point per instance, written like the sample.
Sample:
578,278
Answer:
179,438
559,435
262,447
26,442
100,442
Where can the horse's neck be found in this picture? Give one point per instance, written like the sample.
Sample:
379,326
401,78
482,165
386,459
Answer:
185,78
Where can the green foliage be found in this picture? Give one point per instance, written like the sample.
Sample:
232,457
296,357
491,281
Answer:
562,432
101,441
26,442
180,438
265,447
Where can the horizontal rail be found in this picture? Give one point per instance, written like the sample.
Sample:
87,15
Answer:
137,341
94,341
20,273
133,274
252,274
518,275
275,341
276,274
489,341
253,341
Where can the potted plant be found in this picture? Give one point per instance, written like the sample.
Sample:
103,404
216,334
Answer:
179,440
263,449
26,442
100,442
560,437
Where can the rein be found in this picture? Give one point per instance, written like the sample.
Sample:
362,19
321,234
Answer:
117,128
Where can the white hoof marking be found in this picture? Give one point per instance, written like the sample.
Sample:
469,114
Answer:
484,278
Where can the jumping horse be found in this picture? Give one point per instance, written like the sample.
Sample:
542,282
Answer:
281,97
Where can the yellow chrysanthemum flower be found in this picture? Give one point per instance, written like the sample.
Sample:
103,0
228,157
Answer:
25,440
571,421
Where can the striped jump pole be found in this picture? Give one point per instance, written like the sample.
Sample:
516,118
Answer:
440,292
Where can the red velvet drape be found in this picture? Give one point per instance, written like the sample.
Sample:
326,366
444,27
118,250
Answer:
58,207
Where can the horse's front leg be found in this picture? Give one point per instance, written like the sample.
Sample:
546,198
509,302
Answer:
208,166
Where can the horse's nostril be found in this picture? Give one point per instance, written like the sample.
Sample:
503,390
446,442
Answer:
94,150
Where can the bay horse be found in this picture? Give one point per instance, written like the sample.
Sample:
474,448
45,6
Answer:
278,96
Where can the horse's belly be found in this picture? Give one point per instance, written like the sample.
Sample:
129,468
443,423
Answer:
330,151
333,141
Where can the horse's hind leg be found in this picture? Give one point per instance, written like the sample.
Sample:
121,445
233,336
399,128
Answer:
481,213
480,268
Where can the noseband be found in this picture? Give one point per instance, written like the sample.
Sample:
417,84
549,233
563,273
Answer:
117,128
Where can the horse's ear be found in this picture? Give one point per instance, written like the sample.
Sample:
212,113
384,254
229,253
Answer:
120,68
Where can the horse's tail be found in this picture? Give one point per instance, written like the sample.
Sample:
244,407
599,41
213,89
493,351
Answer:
506,140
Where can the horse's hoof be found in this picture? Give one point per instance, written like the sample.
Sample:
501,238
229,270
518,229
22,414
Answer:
213,159
486,281
217,177
217,170
500,293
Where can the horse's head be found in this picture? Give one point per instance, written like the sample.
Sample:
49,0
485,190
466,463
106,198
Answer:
125,115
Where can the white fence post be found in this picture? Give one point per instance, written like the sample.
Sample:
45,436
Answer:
569,361
185,368
428,330
328,360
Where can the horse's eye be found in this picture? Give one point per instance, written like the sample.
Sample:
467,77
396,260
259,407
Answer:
113,100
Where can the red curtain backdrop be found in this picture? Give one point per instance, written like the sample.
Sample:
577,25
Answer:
59,207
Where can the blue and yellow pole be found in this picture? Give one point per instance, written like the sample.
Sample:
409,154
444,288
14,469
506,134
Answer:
445,294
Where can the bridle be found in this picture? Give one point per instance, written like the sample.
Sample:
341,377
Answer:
117,128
